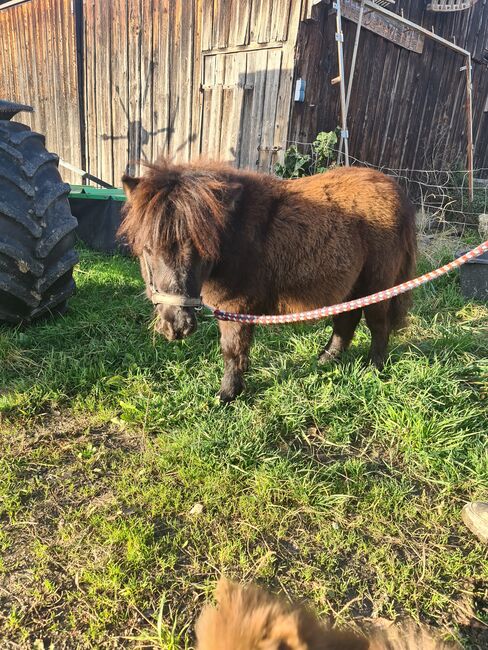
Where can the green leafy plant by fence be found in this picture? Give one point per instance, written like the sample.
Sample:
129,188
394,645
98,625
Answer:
297,164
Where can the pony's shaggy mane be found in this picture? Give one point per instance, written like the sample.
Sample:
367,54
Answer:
171,204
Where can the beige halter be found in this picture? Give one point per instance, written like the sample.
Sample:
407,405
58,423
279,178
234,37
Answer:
163,298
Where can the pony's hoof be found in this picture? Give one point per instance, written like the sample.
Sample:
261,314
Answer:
327,358
230,388
225,397
377,362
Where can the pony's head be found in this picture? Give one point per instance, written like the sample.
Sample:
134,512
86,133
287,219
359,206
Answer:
174,220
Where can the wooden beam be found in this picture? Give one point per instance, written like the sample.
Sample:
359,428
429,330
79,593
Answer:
419,28
340,54
385,26
12,3
354,54
469,120
353,65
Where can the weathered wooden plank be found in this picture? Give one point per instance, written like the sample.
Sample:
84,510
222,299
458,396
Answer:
253,108
207,90
118,91
424,87
285,87
90,88
163,120
104,135
376,76
49,87
434,136
134,80
225,147
197,81
240,18
181,71
175,73
215,125
273,75
385,26
207,24
385,100
221,23
189,59
19,52
260,28
280,17
147,80
234,81
396,135
53,63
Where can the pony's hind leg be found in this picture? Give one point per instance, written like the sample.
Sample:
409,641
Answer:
378,321
342,334
235,341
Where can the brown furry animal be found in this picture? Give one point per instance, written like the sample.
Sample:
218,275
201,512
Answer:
248,618
253,243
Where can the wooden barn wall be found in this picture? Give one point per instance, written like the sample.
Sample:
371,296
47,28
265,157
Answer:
38,52
140,60
184,77
407,110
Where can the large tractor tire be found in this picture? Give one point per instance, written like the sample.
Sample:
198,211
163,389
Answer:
37,229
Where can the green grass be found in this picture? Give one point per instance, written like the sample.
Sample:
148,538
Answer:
338,485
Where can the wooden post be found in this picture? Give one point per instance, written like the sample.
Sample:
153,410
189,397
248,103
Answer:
340,54
354,54
353,65
469,119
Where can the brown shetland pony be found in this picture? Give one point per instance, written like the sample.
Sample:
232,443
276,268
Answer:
253,243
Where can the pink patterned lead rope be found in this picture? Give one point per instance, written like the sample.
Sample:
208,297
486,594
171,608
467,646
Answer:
332,310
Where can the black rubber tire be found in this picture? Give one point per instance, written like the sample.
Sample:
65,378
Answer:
37,229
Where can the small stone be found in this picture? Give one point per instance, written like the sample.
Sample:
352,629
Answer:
483,225
197,509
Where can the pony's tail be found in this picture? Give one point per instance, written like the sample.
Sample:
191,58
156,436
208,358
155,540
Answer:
400,305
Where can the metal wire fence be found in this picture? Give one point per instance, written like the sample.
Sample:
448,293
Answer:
441,197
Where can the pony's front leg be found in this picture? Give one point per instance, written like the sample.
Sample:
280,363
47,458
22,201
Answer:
235,341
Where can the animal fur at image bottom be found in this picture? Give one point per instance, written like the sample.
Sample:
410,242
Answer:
249,618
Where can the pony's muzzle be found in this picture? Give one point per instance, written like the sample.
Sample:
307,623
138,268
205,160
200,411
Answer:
176,322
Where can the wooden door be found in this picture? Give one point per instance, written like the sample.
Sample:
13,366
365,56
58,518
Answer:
246,83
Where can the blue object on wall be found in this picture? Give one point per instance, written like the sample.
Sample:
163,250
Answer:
300,90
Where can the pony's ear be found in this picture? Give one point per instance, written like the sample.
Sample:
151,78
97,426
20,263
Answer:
129,183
